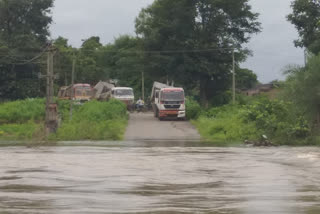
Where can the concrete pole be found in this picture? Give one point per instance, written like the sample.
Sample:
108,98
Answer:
233,79
72,84
51,77
47,89
142,85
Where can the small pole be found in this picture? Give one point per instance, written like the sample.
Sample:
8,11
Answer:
142,85
50,121
233,79
72,84
305,57
48,90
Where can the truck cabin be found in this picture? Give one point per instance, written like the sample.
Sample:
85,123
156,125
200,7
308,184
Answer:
78,92
125,95
82,92
172,96
122,92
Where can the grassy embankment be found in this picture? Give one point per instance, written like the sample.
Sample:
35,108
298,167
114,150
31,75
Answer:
249,120
24,120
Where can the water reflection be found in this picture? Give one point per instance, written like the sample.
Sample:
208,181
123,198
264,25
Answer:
182,177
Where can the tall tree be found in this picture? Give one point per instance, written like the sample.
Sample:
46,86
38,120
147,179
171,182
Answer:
23,35
212,27
246,79
63,60
306,18
303,89
88,69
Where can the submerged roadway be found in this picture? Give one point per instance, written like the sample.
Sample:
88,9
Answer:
144,126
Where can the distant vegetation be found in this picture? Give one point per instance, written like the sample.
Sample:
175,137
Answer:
187,42
95,121
24,120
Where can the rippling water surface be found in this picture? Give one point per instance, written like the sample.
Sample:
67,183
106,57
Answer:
159,179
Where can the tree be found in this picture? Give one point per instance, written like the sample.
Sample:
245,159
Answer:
88,69
23,35
63,61
302,88
246,79
306,18
124,61
168,26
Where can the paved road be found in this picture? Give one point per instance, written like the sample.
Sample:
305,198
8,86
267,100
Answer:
143,126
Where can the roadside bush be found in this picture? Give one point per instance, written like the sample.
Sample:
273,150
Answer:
95,121
278,120
22,111
24,131
193,109
226,124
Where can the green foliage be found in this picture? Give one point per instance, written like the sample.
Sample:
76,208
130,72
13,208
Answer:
303,89
305,17
193,109
274,118
95,121
246,79
226,124
193,24
22,111
278,120
23,35
25,131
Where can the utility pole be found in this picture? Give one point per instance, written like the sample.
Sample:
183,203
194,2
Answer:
142,85
72,84
233,79
51,122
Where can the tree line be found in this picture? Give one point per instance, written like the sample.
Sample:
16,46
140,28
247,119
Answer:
188,42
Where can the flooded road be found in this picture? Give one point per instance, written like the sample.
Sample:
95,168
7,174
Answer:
181,178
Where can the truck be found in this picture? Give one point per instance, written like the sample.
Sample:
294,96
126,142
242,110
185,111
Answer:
125,95
168,101
80,93
102,91
107,90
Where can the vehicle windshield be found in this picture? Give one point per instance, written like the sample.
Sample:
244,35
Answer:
123,92
83,91
172,96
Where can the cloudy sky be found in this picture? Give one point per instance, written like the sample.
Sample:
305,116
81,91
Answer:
273,48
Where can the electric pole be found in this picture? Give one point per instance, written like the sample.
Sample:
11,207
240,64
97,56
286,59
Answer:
51,120
142,85
233,79
72,84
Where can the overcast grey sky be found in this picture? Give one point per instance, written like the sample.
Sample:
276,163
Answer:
273,49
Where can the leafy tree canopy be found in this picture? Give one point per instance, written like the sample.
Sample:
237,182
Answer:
306,18
196,25
24,28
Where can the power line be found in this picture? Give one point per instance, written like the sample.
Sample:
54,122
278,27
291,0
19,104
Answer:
154,51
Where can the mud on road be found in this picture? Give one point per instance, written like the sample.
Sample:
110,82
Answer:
144,126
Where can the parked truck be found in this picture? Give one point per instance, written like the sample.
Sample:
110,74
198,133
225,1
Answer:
106,90
78,92
168,101
125,95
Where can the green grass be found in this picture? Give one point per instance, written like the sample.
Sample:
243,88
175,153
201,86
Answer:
95,121
225,125
22,111
24,120
25,131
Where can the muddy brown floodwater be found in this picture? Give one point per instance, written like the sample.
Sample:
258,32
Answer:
140,178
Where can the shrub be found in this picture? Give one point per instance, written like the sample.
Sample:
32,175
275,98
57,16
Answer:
193,109
278,120
22,111
226,124
24,131
95,121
